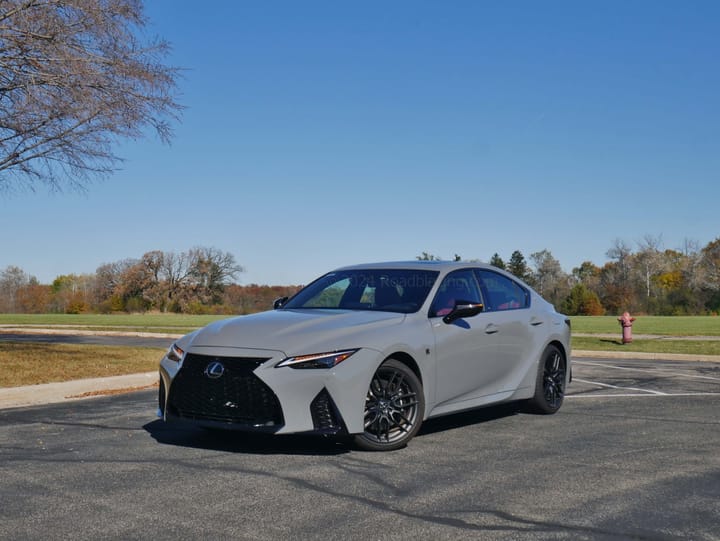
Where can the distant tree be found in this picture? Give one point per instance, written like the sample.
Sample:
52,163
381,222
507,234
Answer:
648,263
427,257
496,261
109,279
587,273
617,289
519,267
582,302
707,283
73,293
213,269
549,278
253,298
12,280
75,77
34,298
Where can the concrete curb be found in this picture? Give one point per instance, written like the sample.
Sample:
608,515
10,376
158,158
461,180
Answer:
628,355
51,393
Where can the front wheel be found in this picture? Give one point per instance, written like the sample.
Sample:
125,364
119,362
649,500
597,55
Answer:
550,382
394,408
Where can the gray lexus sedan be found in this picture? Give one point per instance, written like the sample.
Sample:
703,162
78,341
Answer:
371,351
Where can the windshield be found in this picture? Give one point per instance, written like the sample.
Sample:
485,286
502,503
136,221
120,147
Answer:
392,290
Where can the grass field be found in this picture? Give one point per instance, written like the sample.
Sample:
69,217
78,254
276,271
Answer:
661,325
178,323
689,347
159,323
28,363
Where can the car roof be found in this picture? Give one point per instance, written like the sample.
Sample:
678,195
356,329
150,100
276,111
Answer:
436,265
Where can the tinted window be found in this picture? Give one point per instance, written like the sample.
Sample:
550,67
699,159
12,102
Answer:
456,286
396,290
502,293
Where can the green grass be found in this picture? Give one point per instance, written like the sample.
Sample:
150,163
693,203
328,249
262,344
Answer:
179,323
662,325
690,347
159,323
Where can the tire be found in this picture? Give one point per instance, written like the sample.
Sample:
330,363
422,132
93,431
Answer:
550,382
394,408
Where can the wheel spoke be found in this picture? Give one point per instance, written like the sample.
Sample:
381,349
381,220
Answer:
390,406
554,380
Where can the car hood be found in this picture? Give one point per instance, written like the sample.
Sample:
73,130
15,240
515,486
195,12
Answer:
297,332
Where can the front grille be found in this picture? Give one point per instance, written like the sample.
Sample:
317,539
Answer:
325,416
237,397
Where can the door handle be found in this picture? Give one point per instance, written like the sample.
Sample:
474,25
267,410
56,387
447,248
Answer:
491,329
536,322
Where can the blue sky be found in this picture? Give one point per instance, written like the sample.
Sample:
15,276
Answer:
319,134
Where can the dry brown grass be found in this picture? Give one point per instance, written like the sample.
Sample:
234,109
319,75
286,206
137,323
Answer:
32,363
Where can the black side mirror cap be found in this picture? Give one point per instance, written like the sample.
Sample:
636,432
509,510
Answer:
279,302
463,309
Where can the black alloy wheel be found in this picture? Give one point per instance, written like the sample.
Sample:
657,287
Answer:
550,384
394,408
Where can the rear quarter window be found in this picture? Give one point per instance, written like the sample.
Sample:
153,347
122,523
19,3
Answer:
501,292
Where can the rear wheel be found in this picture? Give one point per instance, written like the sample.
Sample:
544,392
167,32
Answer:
550,382
394,408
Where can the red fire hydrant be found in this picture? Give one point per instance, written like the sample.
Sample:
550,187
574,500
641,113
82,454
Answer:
626,322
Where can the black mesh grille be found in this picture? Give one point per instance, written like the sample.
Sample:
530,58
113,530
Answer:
237,396
325,415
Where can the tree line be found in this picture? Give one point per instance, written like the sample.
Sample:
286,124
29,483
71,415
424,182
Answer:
197,281
648,280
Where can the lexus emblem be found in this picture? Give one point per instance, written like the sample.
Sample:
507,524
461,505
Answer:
214,370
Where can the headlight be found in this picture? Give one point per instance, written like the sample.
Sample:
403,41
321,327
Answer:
175,353
317,360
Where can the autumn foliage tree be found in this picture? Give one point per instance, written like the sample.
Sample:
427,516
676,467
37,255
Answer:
75,77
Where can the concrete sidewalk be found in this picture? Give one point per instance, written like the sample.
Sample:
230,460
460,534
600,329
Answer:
50,393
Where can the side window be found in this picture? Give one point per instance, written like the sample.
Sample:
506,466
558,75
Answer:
460,285
501,292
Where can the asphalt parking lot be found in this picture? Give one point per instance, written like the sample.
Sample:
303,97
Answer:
633,454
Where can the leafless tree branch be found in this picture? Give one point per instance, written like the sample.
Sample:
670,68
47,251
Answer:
75,77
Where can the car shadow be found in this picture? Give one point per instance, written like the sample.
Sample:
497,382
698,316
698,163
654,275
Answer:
470,417
243,442
182,435
610,341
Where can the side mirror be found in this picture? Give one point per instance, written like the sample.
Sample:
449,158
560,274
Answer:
463,309
279,302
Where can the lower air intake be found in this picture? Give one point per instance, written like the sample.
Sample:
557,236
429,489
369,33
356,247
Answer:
325,416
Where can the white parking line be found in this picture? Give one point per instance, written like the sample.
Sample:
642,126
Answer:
664,371
618,387
644,395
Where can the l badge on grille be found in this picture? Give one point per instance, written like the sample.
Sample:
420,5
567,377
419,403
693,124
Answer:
214,370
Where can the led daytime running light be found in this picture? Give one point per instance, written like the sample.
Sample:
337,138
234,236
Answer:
317,360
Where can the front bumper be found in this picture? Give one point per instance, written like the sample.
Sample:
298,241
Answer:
252,394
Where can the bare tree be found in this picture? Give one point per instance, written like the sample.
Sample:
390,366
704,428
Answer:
12,279
76,76
213,269
650,261
549,278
